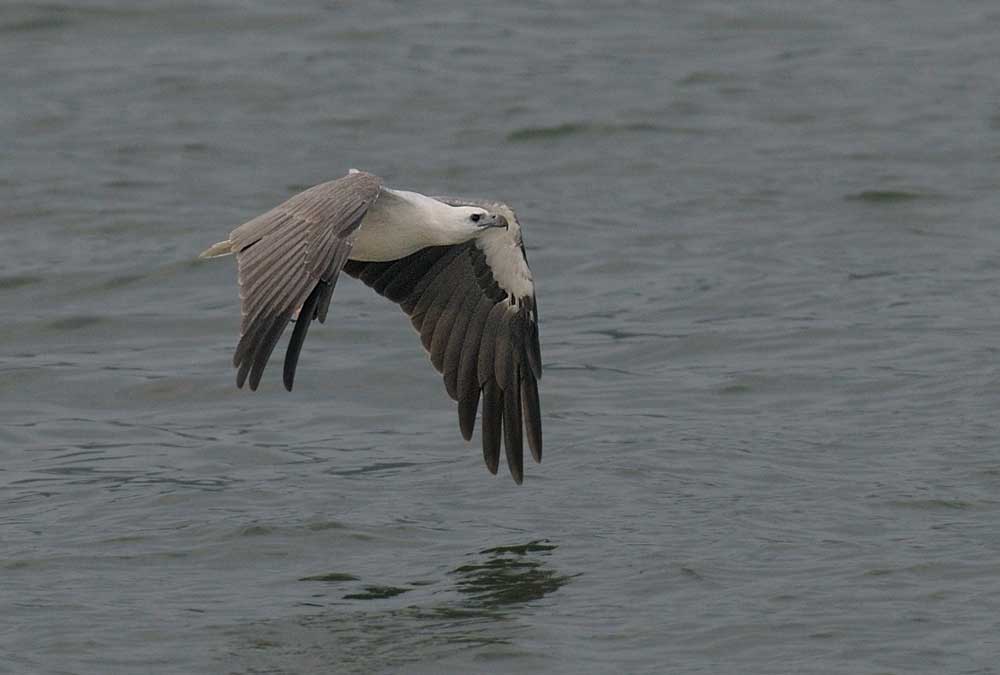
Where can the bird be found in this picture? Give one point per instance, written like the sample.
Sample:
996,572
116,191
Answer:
456,266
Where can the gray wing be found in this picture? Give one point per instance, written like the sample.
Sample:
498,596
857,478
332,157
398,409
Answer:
483,339
289,259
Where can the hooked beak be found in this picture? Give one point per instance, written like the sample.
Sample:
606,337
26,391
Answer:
493,220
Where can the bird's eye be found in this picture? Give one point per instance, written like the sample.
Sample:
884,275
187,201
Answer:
475,217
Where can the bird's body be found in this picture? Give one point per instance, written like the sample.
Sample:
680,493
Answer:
456,266
400,223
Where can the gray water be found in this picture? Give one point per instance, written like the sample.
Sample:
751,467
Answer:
766,246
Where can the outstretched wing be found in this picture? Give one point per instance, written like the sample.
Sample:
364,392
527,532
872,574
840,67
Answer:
288,260
474,307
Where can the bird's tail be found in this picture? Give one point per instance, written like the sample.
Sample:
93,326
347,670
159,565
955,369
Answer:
219,249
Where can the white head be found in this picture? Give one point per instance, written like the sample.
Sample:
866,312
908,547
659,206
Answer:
457,224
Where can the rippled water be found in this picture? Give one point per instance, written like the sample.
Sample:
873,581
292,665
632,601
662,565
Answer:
765,241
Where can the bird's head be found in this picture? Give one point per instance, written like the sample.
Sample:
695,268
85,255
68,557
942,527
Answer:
457,224
479,218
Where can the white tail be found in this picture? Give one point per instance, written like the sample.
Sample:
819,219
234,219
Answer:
219,249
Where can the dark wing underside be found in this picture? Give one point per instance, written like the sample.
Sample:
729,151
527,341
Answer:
483,341
289,258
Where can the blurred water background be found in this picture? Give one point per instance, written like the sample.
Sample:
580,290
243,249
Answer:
765,240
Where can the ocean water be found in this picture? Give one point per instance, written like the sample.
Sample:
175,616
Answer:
765,241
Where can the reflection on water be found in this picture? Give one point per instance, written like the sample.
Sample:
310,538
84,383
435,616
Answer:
376,593
426,622
509,575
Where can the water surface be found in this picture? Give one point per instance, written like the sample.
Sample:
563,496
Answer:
765,242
